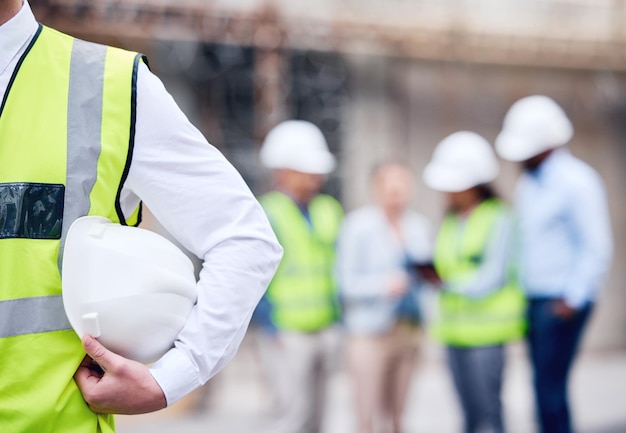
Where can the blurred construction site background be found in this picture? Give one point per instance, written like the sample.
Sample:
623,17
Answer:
385,79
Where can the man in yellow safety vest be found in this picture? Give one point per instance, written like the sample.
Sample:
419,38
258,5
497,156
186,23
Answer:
87,129
301,302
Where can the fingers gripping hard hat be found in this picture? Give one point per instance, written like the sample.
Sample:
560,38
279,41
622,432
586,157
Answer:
129,287
531,126
298,145
461,161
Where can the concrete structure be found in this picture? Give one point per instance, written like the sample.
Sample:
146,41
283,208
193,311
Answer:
563,33
385,79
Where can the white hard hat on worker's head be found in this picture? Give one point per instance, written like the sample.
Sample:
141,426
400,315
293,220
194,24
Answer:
129,287
533,125
298,145
461,161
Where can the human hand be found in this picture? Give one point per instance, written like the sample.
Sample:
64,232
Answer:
398,285
111,383
562,310
428,273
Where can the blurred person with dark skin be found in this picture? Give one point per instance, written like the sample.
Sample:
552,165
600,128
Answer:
298,339
377,246
564,241
74,115
480,308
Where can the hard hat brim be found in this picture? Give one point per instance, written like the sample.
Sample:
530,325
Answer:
318,163
444,179
514,148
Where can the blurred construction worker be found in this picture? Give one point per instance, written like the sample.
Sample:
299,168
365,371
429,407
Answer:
565,245
377,248
480,307
300,307
88,129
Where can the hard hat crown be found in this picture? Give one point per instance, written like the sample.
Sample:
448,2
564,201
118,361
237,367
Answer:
461,161
129,287
298,145
533,125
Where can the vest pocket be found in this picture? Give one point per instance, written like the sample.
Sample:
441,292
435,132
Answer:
31,210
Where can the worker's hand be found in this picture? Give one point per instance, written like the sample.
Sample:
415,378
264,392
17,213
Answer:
398,285
562,310
111,383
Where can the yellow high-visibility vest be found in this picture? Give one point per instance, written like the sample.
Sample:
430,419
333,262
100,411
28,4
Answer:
464,321
66,138
303,292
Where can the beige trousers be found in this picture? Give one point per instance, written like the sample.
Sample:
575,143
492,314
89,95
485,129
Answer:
297,366
381,367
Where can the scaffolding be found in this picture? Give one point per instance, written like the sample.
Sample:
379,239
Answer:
580,34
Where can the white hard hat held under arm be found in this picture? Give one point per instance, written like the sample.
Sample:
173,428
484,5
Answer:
129,287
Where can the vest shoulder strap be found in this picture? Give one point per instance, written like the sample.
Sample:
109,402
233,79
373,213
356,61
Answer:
462,244
325,213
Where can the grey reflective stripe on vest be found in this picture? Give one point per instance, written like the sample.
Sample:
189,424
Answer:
84,122
32,316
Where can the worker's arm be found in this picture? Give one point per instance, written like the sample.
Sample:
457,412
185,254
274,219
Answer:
492,272
594,245
203,202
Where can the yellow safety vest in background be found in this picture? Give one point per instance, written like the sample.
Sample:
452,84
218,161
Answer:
303,292
464,321
66,132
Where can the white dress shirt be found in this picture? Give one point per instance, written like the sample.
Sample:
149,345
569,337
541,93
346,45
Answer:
565,241
203,203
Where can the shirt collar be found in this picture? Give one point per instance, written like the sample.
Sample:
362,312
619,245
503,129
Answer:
553,159
16,33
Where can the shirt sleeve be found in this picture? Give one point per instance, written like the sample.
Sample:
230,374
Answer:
419,242
592,232
202,201
492,273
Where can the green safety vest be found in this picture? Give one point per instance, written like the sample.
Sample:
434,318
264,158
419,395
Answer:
464,321
303,292
66,136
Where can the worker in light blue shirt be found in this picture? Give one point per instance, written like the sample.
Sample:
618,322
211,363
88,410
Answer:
564,245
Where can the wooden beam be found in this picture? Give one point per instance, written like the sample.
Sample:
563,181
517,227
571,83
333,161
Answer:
97,20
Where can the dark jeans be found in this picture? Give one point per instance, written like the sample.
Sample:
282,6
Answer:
552,343
477,374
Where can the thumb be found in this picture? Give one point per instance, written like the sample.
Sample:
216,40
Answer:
103,356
